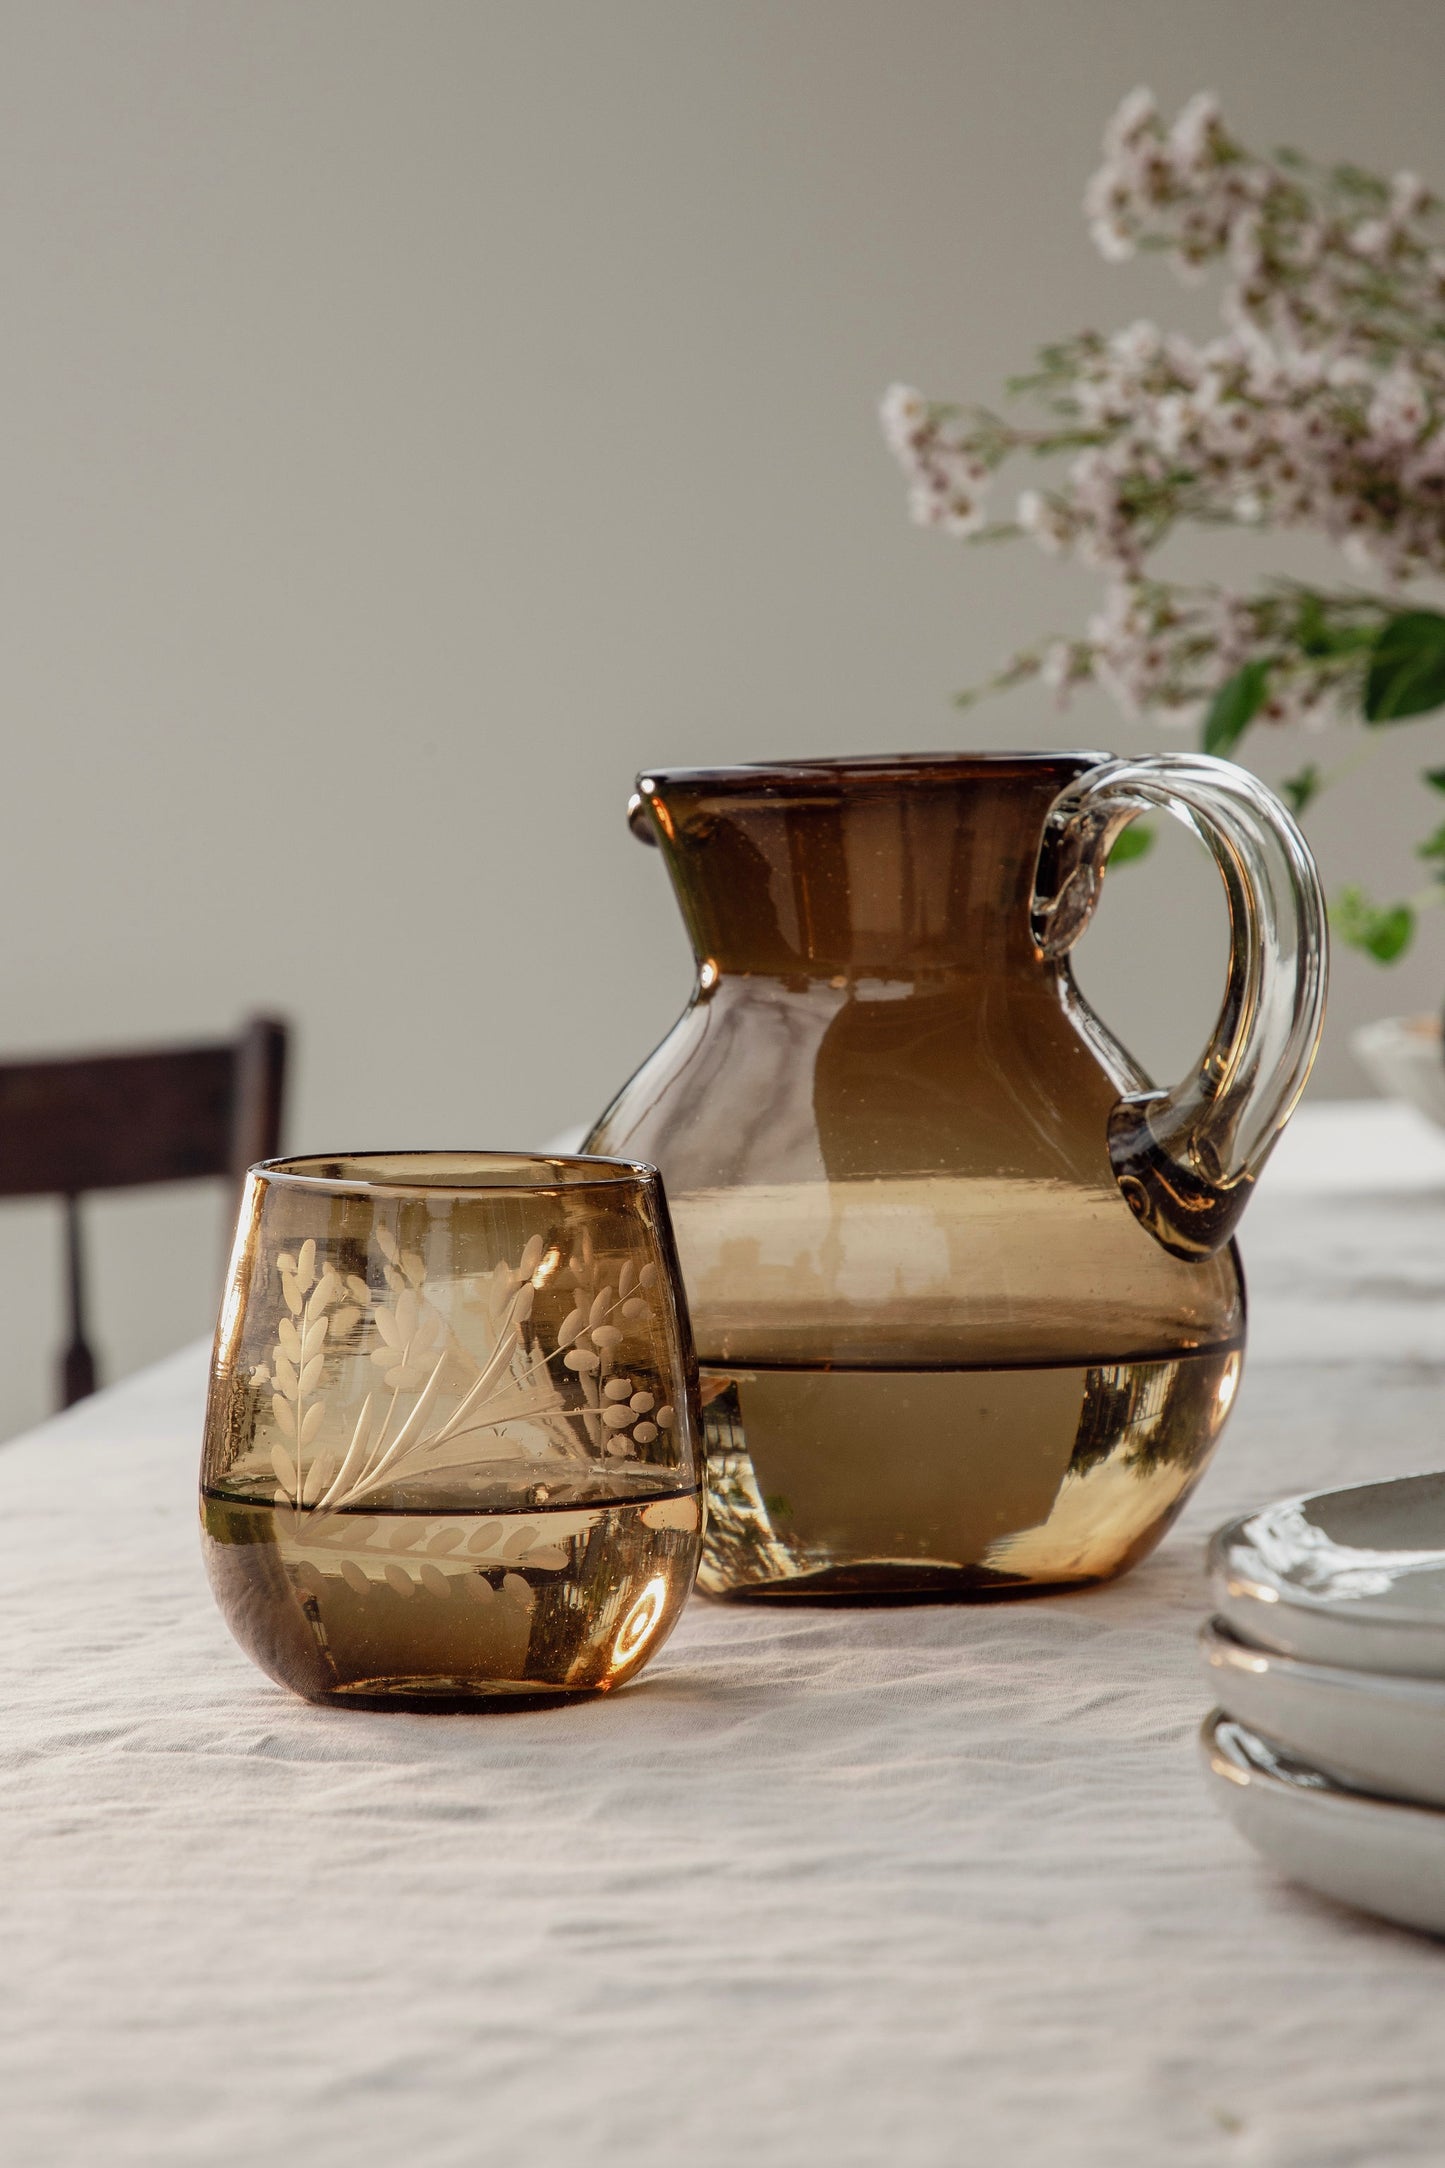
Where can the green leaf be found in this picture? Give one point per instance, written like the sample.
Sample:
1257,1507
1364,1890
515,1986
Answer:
1300,791
1135,841
1383,934
1407,670
1235,705
1359,181
1322,637
1435,777
1433,846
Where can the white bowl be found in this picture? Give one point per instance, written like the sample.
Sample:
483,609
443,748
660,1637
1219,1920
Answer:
1383,1857
1375,1733
1402,1056
1350,1578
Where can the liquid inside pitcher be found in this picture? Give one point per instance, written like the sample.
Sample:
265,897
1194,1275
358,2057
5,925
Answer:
945,1346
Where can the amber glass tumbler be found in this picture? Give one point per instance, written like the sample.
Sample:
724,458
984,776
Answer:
450,1453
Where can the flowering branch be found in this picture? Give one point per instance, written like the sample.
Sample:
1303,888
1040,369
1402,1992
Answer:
1320,408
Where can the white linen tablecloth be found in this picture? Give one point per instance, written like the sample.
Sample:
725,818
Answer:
933,1885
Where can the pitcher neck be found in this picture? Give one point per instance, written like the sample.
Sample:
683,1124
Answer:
896,867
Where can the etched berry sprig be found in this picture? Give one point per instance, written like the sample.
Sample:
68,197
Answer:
420,1357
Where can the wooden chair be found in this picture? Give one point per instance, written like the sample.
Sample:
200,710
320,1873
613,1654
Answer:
114,1121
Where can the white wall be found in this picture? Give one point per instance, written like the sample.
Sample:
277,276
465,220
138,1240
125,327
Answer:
416,417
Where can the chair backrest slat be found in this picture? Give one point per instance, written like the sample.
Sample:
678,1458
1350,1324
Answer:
112,1121
116,1121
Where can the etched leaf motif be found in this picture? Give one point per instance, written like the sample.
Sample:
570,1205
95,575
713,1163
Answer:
355,1456
320,1473
449,1401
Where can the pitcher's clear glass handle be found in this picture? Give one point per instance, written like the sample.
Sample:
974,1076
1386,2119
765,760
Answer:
1186,1160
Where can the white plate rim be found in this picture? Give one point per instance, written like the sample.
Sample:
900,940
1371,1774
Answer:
1269,1592
1426,1695
1275,1768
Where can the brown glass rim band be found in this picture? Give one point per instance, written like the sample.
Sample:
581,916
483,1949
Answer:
824,775
556,1174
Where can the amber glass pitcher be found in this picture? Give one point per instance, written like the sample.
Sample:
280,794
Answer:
962,1282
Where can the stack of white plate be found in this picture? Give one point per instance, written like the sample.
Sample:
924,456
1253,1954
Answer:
1327,1658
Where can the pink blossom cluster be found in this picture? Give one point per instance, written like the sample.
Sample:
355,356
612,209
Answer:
1157,647
1188,183
1319,407
1337,258
1242,430
947,479
1147,644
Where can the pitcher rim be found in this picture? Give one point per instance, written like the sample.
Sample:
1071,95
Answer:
828,771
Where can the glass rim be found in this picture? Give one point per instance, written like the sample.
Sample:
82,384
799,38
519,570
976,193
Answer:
822,773
593,1172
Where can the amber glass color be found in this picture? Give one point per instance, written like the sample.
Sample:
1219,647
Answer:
964,1324
451,1450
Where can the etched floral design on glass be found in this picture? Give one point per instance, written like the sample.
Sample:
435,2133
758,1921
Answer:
450,1451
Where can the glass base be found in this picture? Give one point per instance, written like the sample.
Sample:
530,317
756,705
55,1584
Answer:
887,1580
454,1697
